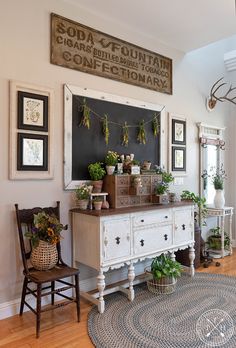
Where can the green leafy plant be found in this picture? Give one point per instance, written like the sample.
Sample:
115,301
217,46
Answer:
162,187
164,266
46,228
83,191
200,203
96,171
111,158
214,240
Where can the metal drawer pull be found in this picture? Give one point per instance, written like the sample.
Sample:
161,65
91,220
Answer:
165,236
183,227
142,220
117,240
166,217
142,242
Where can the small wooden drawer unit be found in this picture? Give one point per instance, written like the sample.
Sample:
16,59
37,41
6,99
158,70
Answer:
122,193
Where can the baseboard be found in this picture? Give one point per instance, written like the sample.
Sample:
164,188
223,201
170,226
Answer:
8,309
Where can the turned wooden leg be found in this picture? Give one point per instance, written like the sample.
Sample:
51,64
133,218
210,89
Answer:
131,276
172,256
101,286
192,258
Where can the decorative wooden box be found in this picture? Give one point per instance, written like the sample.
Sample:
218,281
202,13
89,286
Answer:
122,192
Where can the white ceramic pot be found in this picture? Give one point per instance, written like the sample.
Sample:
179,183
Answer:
219,200
110,170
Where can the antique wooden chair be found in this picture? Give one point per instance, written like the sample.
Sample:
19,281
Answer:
40,279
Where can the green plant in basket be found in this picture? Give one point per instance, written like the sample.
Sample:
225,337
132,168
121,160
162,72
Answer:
164,266
46,228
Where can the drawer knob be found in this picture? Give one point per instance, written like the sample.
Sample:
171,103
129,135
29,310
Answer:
183,227
142,242
165,236
117,240
142,220
166,217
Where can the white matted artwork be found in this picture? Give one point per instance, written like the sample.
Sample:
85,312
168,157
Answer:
31,127
177,154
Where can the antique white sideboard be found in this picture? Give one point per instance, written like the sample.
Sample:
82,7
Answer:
109,239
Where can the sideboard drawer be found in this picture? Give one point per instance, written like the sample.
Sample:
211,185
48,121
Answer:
122,180
122,201
153,218
122,191
153,239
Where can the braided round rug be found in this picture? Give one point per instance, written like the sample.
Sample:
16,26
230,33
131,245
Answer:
200,313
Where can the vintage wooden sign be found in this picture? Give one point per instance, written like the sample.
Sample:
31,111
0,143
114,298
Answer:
79,47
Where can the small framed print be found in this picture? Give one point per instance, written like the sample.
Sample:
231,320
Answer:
32,111
32,152
178,132
178,159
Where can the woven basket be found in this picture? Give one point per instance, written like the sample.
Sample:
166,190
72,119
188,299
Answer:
44,256
165,285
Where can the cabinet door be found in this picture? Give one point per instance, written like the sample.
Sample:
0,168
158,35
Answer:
116,239
152,239
183,226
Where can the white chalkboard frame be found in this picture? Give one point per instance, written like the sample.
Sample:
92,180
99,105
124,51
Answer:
69,91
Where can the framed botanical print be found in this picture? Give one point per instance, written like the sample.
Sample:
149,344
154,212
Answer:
31,132
32,111
32,152
178,132
178,158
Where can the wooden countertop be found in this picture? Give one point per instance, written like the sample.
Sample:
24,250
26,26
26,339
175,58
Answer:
128,210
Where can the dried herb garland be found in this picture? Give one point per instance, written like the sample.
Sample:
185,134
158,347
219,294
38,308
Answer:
141,133
125,135
105,129
86,114
155,126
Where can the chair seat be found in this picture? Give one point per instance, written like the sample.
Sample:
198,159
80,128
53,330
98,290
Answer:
57,272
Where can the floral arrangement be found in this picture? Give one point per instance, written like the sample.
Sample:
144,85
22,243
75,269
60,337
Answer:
161,188
46,228
111,158
218,178
83,191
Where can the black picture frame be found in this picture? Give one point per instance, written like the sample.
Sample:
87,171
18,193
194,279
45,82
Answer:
32,152
32,111
178,159
178,132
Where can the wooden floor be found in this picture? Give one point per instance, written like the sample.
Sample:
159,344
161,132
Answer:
60,329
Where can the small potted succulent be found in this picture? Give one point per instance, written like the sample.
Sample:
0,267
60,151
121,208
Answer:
111,161
97,173
97,203
160,191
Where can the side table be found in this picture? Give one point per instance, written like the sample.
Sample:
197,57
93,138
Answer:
221,213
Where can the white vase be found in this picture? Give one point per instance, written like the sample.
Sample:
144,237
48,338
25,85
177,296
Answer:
219,200
110,170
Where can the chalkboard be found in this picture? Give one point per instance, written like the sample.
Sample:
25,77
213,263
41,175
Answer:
88,145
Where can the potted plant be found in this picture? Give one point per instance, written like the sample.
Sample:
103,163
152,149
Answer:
44,235
200,202
97,203
160,191
82,193
214,240
165,272
97,173
218,181
111,161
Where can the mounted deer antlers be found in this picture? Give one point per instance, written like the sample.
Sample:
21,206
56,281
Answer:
212,99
